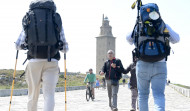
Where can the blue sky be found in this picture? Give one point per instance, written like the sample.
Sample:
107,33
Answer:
82,20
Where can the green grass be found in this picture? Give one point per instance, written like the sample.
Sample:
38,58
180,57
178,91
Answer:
7,83
5,87
9,72
72,80
188,87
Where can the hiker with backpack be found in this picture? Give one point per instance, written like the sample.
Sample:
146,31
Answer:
112,69
43,37
151,37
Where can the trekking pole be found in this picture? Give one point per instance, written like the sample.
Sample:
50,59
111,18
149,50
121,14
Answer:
65,82
13,80
139,4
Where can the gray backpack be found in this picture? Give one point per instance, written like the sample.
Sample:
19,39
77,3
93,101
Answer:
42,26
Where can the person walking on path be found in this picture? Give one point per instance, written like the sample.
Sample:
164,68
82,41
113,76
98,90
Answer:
103,83
123,82
151,67
97,83
43,37
133,84
112,69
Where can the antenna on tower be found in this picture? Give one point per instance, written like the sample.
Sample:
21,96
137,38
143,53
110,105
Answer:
103,18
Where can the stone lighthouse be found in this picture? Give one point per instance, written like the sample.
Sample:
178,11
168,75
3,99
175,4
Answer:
104,42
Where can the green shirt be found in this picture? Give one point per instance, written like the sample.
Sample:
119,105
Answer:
90,77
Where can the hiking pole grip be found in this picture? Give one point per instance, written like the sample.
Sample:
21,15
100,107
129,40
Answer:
64,56
133,5
17,54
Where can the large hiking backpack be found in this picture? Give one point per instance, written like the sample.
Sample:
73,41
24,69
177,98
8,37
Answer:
153,43
42,26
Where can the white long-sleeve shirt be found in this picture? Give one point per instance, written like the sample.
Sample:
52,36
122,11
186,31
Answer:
22,37
174,37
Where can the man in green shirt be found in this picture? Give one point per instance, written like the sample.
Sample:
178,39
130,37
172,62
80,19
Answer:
91,79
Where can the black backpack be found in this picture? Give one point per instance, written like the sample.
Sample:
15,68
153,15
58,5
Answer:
42,26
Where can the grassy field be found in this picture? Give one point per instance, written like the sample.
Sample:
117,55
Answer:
6,83
188,87
6,76
73,80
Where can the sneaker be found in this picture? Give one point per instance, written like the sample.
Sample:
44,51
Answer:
114,109
110,104
132,110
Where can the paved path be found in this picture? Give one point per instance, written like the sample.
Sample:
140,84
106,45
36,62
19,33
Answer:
76,101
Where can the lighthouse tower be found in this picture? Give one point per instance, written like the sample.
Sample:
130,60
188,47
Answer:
104,42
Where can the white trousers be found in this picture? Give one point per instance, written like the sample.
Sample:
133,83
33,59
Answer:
45,73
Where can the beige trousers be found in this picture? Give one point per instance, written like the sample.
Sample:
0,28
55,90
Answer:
45,73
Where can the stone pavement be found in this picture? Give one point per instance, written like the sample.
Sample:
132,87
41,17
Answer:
77,102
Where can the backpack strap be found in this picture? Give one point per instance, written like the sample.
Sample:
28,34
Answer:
48,52
135,52
22,74
55,28
166,40
159,50
132,35
36,28
37,36
46,36
46,25
144,46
